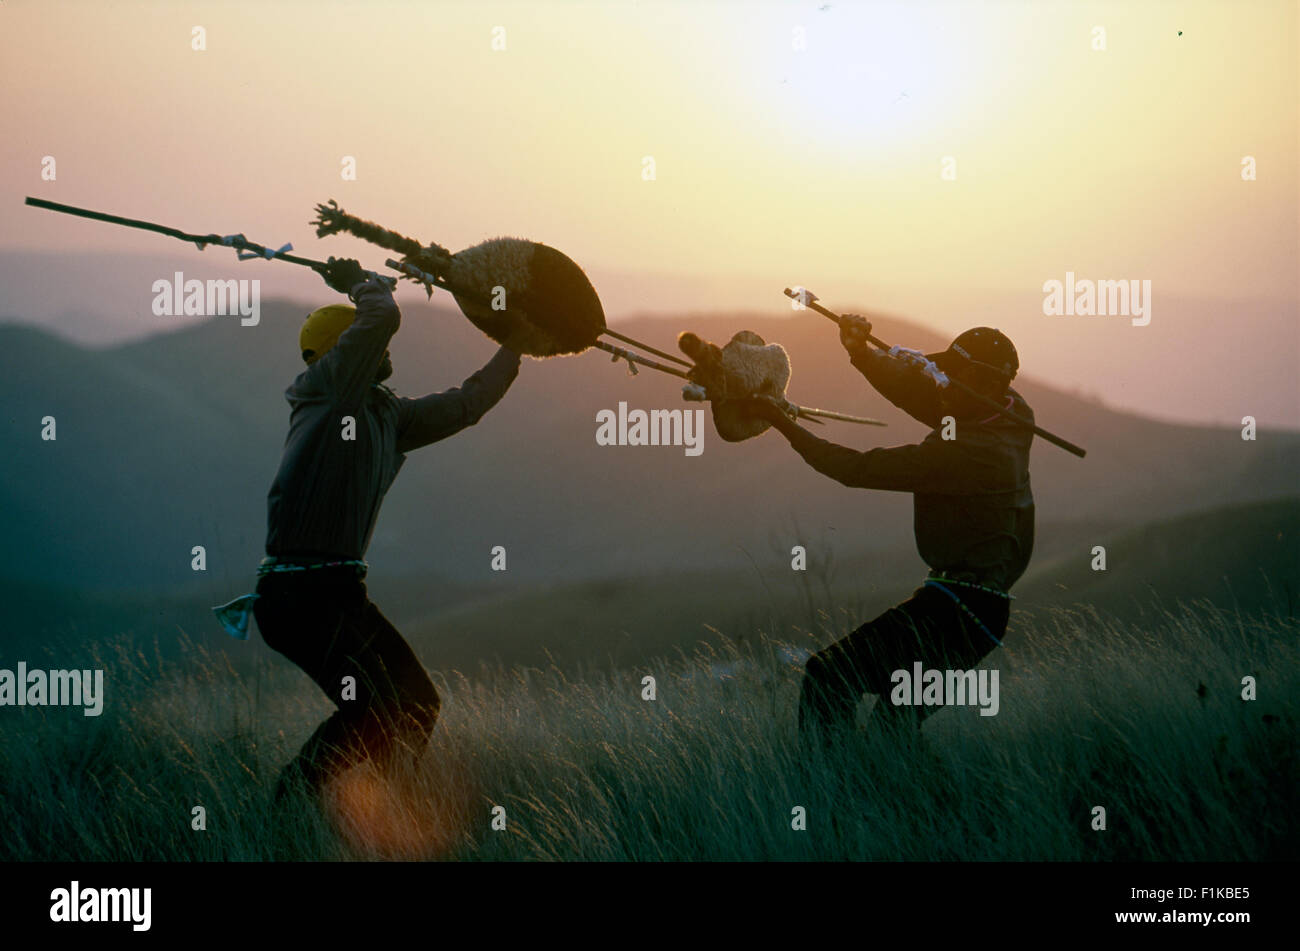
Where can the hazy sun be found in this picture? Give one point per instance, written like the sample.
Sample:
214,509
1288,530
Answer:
854,72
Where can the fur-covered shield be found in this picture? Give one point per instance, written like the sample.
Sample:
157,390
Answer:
550,308
545,306
746,366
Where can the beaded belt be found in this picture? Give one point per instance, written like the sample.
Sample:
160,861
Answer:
941,584
270,565
971,584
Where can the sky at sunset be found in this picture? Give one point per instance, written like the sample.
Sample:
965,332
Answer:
792,143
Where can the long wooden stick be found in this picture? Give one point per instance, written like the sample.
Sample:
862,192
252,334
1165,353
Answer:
237,241
622,354
646,347
843,417
809,300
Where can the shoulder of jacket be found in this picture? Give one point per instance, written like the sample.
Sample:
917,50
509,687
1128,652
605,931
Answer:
306,386
1020,405
381,392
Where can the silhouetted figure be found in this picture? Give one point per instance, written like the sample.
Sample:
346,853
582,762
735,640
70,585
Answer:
312,605
973,519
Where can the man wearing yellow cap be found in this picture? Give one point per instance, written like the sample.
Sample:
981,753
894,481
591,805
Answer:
348,435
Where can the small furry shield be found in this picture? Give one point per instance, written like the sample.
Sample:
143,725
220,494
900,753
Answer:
547,305
745,367
550,308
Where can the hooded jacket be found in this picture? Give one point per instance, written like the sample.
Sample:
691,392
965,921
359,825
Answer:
326,495
973,510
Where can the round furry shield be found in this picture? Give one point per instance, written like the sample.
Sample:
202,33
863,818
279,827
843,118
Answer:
549,306
745,367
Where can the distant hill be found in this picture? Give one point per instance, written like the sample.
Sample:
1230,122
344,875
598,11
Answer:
1245,559
171,442
1167,370
1240,556
618,552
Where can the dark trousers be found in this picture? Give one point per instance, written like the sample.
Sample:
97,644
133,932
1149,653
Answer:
323,621
928,627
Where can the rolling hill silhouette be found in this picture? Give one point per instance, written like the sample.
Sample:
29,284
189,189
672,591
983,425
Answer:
171,442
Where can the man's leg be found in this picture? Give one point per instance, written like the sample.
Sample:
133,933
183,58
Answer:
836,678
942,637
329,628
928,627
404,704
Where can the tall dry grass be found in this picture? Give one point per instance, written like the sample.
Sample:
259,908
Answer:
1092,714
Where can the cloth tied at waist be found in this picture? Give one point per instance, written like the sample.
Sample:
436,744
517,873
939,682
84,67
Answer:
234,615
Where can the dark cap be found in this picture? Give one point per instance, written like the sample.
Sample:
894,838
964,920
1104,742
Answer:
984,345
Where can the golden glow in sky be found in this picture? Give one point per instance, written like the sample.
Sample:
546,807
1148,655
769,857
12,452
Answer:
791,142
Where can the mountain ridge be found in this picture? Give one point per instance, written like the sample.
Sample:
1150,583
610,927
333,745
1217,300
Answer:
171,441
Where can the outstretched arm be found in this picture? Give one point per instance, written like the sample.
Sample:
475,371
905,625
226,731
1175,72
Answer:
927,467
439,415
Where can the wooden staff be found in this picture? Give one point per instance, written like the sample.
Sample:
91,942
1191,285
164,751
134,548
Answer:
808,299
236,241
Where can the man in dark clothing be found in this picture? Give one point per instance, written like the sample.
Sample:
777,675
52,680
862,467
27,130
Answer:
348,435
973,515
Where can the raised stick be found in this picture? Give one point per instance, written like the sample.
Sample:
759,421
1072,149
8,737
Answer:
808,299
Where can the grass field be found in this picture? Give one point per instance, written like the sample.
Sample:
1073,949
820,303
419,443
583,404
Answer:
1146,721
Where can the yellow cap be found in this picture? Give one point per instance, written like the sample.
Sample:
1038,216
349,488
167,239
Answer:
322,328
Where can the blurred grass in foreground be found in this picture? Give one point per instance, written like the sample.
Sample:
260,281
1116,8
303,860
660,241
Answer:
1093,712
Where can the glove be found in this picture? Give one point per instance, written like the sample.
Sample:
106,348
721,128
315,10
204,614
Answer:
908,355
917,359
343,274
853,332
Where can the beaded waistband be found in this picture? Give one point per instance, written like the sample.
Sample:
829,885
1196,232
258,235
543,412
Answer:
942,586
971,584
271,564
